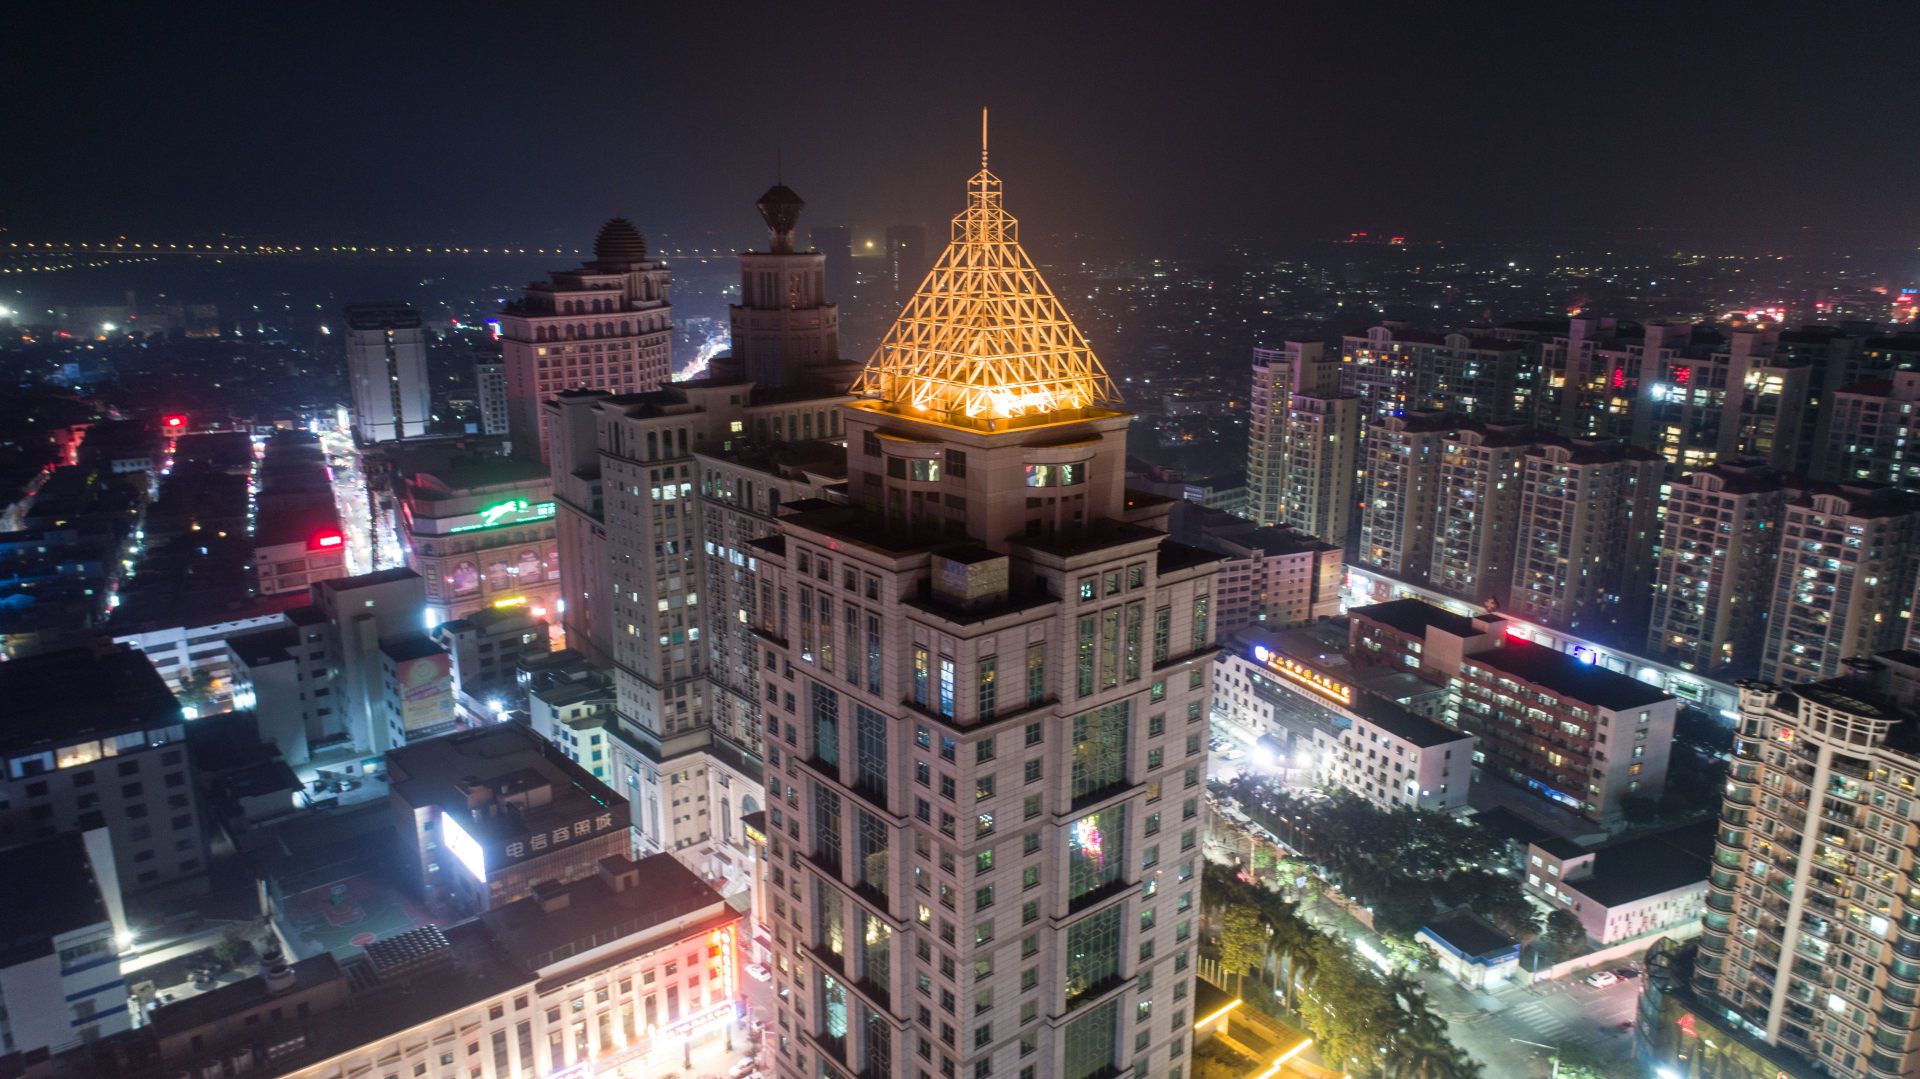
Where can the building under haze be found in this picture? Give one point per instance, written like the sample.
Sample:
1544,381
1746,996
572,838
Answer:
1843,579
604,326
907,256
387,369
490,393
998,672
1720,541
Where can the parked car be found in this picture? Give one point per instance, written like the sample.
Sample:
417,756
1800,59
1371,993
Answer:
741,1067
755,970
1625,972
1602,978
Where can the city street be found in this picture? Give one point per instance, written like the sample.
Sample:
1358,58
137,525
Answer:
1559,1014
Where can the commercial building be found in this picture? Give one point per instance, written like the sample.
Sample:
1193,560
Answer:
1330,728
1040,829
94,739
60,983
1843,579
1552,722
605,326
1810,930
659,496
1652,884
486,815
1588,525
1399,507
1714,577
297,538
387,372
607,974
1471,950
478,528
486,649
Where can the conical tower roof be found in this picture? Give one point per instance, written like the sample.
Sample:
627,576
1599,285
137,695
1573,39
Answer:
984,339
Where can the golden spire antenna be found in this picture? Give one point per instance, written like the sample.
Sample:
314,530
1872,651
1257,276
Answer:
984,339
983,136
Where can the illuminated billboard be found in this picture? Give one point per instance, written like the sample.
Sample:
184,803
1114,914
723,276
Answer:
458,843
426,691
1302,674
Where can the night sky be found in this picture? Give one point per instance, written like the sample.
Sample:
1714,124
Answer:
1136,124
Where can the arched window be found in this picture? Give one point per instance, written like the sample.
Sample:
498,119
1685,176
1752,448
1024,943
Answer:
624,330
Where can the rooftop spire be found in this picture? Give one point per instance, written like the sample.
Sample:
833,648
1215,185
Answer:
984,339
983,136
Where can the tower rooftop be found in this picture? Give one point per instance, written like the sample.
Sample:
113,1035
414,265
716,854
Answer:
619,241
984,340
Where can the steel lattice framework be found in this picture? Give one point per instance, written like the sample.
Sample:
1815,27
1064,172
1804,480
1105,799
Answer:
984,338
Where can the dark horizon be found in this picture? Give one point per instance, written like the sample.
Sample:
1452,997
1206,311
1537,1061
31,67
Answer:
490,124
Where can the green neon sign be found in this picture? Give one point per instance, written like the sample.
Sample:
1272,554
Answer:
512,511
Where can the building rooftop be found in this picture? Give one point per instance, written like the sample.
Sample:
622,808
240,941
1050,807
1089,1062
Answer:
81,693
1562,674
1471,936
597,913
1407,726
264,646
66,896
410,646
367,580
1650,865
1412,617
295,519
529,785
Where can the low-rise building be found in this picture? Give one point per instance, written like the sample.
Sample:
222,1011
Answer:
1553,722
94,739
605,976
486,814
1268,576
487,648
1471,950
1654,883
60,982
1324,729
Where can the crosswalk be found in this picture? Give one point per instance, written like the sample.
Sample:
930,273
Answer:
1540,1021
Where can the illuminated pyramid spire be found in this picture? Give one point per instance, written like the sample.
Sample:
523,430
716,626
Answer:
984,339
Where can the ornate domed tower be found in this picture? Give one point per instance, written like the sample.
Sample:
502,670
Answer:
604,326
784,328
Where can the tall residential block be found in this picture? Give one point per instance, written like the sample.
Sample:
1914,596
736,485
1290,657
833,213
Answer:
387,371
1811,930
1323,446
1587,530
1400,485
490,390
1872,432
1278,374
1719,539
996,763
605,326
1843,579
1478,503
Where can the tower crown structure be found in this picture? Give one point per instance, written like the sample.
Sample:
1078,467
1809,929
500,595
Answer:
984,340
780,208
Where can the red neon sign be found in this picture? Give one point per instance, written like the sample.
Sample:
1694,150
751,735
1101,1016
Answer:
176,421
327,539
1686,1027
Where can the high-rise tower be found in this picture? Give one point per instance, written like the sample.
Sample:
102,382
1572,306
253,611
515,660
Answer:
387,366
605,326
784,327
984,873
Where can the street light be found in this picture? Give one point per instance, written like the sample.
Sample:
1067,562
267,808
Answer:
1553,1049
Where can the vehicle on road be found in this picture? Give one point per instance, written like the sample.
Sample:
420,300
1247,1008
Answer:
1601,979
1625,972
755,970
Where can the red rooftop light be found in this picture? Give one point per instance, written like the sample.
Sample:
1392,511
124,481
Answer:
327,539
